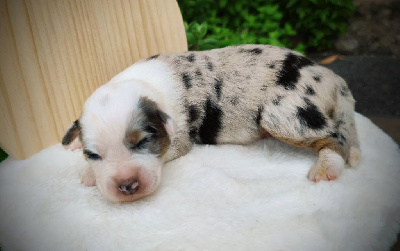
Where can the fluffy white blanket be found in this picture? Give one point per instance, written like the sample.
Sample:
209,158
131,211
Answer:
227,197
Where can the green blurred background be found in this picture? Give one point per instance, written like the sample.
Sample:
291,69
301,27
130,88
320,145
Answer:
302,25
3,155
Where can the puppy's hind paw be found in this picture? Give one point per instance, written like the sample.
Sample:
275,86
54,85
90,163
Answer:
318,173
328,167
354,156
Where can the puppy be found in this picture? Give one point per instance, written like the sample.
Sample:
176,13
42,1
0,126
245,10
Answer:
158,108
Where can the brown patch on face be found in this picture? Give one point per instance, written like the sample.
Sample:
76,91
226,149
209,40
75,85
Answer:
133,137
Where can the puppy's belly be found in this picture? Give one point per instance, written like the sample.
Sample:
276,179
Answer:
242,137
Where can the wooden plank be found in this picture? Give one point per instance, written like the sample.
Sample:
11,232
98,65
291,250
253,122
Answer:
55,53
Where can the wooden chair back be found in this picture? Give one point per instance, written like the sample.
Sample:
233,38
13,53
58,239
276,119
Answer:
55,53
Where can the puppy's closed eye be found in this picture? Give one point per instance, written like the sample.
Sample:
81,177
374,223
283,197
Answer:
142,144
91,155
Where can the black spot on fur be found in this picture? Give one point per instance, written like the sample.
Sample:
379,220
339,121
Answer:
210,66
193,135
190,58
258,116
290,72
339,123
342,137
310,90
73,132
310,116
234,101
187,80
331,113
317,78
218,88
153,57
198,73
271,66
344,91
211,124
193,113
255,51
277,100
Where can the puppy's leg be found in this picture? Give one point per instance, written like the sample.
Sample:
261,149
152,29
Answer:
354,156
330,132
328,167
330,161
340,146
331,157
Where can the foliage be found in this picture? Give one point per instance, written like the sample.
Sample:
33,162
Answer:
3,156
318,22
297,24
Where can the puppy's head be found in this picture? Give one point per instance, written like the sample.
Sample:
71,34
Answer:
124,133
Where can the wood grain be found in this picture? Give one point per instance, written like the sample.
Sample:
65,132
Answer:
55,53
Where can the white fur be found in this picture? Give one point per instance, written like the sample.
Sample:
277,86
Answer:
226,197
160,80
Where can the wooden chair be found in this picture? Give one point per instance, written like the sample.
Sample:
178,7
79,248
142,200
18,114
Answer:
55,53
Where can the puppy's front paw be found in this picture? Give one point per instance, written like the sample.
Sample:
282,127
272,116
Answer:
88,178
328,167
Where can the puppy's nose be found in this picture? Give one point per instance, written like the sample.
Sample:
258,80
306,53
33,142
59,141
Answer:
129,188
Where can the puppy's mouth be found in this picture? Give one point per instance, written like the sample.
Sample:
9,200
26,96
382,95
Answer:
129,188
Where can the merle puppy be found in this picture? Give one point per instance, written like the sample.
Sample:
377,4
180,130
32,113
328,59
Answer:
158,108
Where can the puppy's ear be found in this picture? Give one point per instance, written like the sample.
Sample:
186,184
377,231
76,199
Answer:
169,124
154,113
71,139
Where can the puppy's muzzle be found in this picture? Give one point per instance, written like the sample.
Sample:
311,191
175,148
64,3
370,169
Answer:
129,188
128,181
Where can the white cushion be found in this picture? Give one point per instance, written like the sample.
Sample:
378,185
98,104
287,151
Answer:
229,197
